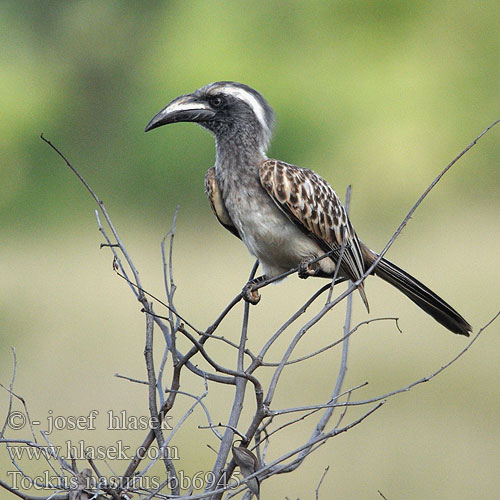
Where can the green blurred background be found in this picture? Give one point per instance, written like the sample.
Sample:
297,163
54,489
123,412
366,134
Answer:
377,94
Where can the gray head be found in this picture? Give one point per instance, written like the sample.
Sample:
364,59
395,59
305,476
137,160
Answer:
230,110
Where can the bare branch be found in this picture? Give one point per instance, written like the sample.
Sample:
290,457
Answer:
432,375
130,379
102,208
10,390
325,472
25,496
263,423
333,344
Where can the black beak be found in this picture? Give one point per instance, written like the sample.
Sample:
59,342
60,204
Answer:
186,108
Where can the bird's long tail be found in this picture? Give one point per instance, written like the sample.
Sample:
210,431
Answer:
426,299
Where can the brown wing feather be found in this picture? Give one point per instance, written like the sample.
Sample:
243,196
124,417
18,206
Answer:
310,202
217,203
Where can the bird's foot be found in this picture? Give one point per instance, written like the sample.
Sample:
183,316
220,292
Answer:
249,293
308,268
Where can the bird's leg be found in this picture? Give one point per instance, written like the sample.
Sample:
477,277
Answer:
308,267
249,294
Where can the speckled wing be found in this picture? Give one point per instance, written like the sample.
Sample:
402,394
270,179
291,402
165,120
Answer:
310,202
217,203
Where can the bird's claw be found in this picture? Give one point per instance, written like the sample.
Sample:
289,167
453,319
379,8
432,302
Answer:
307,268
249,294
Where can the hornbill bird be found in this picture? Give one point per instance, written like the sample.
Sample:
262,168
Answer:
287,216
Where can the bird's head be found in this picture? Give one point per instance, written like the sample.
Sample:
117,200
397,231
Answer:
230,110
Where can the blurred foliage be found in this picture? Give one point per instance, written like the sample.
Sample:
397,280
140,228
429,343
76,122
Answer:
380,94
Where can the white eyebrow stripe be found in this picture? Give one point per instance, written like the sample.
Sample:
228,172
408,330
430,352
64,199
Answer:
250,99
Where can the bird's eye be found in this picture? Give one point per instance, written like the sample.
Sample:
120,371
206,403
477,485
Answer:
216,101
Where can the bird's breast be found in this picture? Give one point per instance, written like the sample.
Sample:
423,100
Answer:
269,235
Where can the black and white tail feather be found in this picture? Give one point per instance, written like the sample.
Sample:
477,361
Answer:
423,297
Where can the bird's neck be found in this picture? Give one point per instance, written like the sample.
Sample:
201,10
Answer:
237,165
239,153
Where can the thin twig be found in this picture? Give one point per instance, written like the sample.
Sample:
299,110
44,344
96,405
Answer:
205,409
102,208
333,344
10,390
320,426
25,496
130,379
432,375
325,472
153,409
164,446
219,473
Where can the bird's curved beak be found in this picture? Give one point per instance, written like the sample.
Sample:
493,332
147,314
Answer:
186,108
